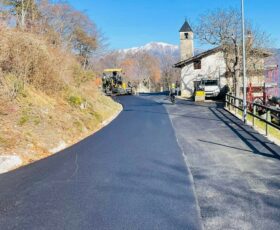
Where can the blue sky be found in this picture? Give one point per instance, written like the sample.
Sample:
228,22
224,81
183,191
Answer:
129,23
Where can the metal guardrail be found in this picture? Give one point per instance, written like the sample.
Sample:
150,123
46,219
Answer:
255,109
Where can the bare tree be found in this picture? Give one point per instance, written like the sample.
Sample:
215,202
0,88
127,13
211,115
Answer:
68,23
168,73
24,11
84,44
147,70
223,28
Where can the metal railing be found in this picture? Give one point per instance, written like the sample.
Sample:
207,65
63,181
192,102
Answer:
261,112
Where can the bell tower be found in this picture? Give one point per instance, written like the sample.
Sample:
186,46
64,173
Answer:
186,41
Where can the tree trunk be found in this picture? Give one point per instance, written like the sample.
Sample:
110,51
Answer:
237,83
237,71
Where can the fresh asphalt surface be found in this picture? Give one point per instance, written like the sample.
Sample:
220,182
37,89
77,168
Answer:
129,175
137,173
236,171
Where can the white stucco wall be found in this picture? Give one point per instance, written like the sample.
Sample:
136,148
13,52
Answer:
212,66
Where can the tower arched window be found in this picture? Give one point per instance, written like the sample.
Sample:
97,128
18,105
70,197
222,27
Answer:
187,35
197,64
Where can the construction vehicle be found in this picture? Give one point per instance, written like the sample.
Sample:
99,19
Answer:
113,83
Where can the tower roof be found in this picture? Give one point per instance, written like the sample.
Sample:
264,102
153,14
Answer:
186,27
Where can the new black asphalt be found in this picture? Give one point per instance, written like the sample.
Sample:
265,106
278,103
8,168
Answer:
236,170
129,175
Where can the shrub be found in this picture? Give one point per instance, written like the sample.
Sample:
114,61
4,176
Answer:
81,75
29,60
11,86
79,125
24,118
76,100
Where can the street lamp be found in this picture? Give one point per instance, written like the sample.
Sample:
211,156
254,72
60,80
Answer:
244,64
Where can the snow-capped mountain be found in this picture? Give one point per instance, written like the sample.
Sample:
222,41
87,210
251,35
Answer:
157,49
153,47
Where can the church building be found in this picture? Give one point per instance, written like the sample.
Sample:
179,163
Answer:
209,64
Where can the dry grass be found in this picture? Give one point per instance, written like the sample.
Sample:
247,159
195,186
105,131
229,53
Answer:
39,122
45,97
26,59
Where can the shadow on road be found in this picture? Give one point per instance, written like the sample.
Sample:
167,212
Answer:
244,131
255,141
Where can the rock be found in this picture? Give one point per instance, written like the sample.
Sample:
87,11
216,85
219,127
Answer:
62,145
9,162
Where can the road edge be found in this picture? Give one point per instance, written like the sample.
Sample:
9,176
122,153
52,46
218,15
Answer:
184,155
189,171
3,164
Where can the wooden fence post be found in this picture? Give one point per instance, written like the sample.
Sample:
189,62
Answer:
268,119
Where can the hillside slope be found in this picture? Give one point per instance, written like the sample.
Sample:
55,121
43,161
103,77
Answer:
47,101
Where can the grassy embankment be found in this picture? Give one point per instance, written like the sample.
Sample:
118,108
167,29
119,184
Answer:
260,126
46,98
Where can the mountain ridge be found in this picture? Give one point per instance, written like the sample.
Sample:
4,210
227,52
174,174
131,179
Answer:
164,45
157,49
151,46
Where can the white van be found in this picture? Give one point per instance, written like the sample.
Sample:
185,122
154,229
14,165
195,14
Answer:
211,87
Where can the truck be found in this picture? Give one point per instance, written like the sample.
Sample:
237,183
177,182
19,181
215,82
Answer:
113,83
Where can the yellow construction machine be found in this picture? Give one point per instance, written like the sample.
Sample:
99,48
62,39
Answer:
113,84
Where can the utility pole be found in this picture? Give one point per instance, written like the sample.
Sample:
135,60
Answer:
244,65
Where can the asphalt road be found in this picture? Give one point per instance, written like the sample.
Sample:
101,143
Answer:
236,171
129,175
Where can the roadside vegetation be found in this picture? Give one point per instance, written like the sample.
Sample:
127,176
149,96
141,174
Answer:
49,96
153,70
259,125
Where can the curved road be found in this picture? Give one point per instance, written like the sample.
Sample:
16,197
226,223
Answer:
129,175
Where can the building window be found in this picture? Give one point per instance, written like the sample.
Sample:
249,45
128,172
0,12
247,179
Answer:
197,64
186,35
